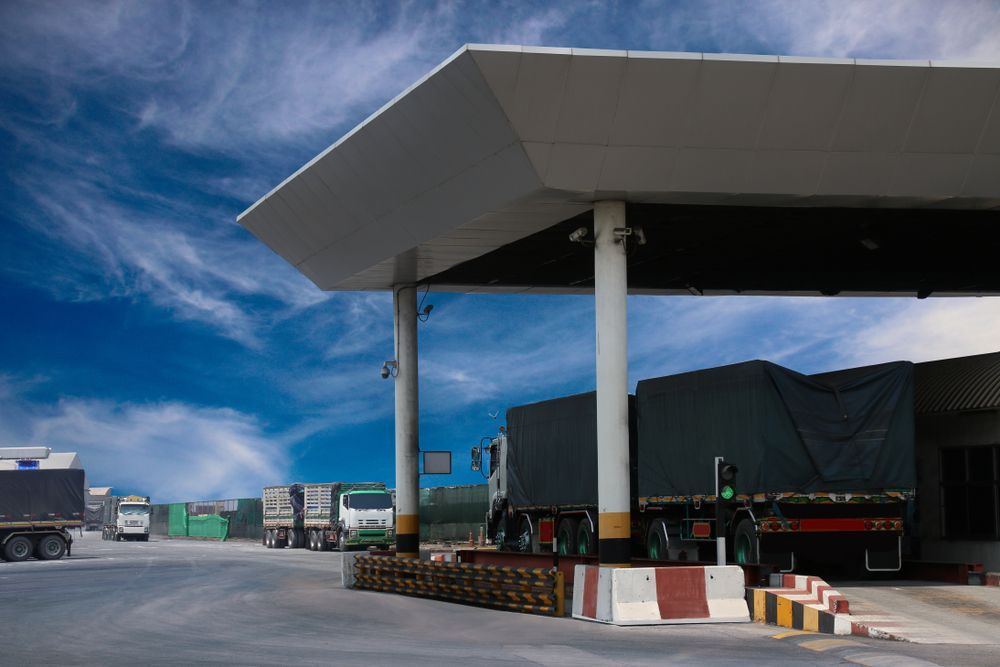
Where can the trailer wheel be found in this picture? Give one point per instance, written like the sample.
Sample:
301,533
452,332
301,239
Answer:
657,540
566,536
527,540
268,543
745,544
50,547
18,548
322,541
586,545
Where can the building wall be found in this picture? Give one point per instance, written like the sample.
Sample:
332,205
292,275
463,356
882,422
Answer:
950,430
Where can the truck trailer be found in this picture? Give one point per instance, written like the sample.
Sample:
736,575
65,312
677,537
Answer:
126,518
37,509
826,467
342,515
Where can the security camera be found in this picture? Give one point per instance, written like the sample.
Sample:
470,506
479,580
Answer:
388,368
578,234
385,372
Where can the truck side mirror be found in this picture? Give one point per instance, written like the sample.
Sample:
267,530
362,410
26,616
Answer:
477,459
344,501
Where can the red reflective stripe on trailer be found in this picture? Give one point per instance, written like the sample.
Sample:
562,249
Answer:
831,525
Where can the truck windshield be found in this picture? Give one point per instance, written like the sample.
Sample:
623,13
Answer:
133,509
371,501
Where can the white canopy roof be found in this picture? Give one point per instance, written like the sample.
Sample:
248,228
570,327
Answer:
500,142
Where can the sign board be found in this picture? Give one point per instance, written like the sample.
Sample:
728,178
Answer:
437,463
27,464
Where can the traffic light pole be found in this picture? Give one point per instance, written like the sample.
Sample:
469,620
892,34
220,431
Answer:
720,522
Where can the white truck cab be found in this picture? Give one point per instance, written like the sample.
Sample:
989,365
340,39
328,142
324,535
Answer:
130,519
367,518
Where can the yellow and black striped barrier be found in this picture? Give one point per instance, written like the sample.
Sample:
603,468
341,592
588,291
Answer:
529,590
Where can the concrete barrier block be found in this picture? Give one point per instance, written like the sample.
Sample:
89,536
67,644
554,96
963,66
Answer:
659,595
347,568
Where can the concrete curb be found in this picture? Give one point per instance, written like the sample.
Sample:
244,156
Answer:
992,579
801,603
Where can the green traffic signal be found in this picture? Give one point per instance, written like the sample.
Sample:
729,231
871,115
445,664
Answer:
727,493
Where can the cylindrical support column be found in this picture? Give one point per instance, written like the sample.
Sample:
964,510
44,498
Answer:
610,295
404,304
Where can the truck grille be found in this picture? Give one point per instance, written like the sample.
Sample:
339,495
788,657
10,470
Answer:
133,523
372,522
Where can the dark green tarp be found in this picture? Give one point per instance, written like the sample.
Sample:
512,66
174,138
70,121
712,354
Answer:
786,432
552,451
41,496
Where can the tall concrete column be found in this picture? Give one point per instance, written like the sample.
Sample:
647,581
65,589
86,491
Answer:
610,295
404,304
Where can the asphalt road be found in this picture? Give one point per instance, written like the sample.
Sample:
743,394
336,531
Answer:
172,602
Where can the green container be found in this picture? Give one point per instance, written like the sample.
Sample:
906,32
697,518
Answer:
209,525
177,520
452,512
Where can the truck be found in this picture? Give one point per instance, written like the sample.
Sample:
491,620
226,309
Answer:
37,509
126,518
825,467
341,515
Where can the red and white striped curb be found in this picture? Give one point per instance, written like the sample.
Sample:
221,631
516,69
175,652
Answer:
809,590
659,595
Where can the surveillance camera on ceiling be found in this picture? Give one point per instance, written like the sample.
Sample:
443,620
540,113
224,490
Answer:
578,234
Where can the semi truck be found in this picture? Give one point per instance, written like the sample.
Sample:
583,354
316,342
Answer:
37,509
341,515
826,467
126,518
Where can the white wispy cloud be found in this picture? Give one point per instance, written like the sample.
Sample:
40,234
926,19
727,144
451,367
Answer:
170,450
198,269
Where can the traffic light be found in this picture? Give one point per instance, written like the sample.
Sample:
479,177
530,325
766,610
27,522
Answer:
726,476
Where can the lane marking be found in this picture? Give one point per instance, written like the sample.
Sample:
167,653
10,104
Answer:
827,644
791,633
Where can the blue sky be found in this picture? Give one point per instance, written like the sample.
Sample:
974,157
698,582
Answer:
145,329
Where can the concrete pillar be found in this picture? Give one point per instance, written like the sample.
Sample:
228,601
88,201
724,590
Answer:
610,294
404,304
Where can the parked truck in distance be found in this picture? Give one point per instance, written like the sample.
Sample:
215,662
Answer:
341,515
826,466
37,507
126,518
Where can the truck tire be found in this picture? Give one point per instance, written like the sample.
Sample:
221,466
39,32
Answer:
268,540
50,547
324,544
657,540
342,542
586,545
566,536
745,547
17,549
314,540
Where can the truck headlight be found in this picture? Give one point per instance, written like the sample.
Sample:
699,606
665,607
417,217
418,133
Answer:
354,534
145,530
388,532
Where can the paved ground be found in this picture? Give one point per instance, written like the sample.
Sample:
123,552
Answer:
928,613
184,602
